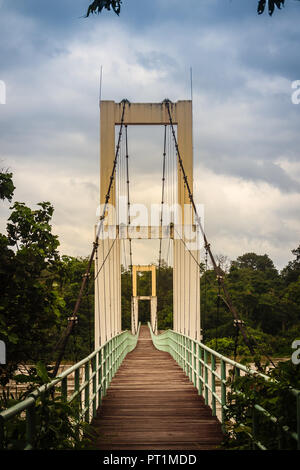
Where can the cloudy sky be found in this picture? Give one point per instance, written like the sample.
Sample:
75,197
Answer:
246,128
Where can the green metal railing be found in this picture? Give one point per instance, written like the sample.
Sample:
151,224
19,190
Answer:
209,372
90,378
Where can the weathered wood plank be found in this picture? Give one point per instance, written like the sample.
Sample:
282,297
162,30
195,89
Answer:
151,404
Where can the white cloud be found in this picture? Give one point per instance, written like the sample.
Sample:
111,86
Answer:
50,129
243,216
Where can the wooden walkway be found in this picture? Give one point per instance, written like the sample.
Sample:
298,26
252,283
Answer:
151,404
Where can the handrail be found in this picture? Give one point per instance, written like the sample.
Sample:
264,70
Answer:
199,362
99,369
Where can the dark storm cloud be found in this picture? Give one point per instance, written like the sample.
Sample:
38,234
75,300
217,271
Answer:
254,170
243,65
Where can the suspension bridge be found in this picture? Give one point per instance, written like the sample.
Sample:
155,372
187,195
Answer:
144,388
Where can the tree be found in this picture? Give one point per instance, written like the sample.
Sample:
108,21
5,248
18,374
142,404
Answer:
30,303
97,6
265,300
291,272
255,262
70,277
6,186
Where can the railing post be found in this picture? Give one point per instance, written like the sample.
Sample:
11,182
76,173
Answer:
109,362
213,383
174,342
195,363
223,390
298,420
87,391
30,425
100,377
187,357
280,437
254,427
200,370
112,357
113,352
182,352
205,378
2,433
188,371
78,398
185,361
94,371
191,359
117,353
104,371
122,348
64,389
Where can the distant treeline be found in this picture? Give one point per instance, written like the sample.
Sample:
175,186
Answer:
39,288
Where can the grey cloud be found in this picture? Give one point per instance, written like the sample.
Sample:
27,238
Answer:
242,126
156,60
255,170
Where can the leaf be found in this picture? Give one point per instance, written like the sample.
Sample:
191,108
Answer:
261,6
271,6
42,372
98,5
22,378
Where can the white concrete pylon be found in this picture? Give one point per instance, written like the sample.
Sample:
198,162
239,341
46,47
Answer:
186,276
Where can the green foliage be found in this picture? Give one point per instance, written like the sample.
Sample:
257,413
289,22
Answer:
39,288
126,290
226,346
291,273
255,262
275,397
71,273
271,6
98,5
164,297
6,186
30,304
57,422
265,299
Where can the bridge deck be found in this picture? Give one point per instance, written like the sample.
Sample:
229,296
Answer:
151,404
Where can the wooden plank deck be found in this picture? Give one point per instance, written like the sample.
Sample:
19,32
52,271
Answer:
151,404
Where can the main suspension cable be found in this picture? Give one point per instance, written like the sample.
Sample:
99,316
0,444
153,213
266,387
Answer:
61,345
219,272
162,198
